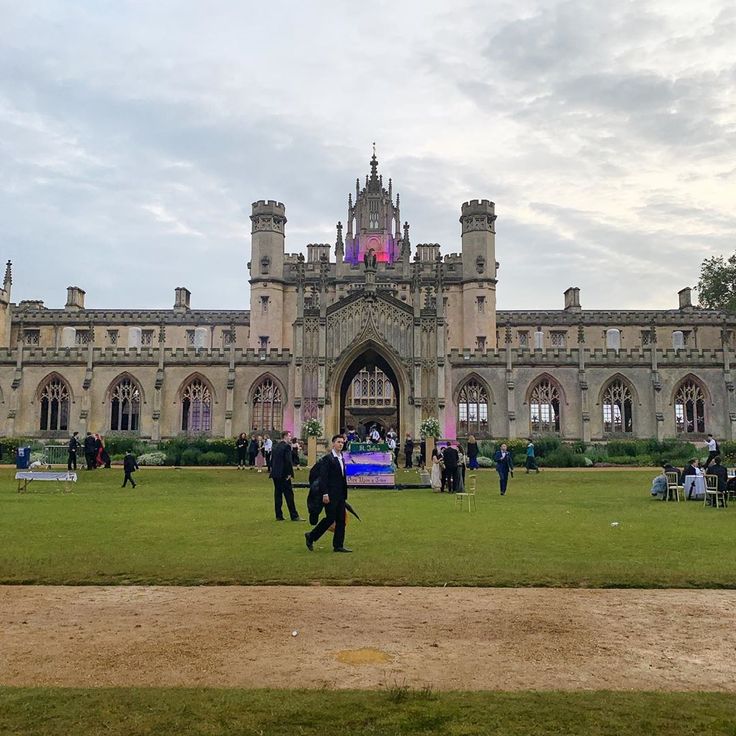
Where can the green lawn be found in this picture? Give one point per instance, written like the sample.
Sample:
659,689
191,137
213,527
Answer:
135,712
215,526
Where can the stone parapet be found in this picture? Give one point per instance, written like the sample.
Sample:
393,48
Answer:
606,317
145,356
151,318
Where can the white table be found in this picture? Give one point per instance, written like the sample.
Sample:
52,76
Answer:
694,486
25,477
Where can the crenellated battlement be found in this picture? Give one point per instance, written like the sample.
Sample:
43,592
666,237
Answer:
478,206
268,207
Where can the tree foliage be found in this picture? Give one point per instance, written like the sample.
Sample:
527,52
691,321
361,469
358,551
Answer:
717,284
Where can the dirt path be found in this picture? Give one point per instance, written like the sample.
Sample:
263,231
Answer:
447,638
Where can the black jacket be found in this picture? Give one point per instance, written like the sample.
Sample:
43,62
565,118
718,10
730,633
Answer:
90,446
281,462
451,458
331,478
721,472
129,464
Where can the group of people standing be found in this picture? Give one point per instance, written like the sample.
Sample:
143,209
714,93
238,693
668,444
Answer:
95,454
255,452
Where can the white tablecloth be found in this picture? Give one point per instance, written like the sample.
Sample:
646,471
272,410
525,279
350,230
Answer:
697,484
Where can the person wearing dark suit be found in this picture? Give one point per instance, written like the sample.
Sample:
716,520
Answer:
721,473
451,458
90,451
282,471
334,487
504,466
130,465
73,447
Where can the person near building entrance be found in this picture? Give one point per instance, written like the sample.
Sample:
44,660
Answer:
282,471
504,466
334,487
130,465
713,450
71,463
451,461
408,450
375,435
252,450
472,452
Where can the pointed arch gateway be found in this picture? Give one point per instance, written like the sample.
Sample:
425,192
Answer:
382,370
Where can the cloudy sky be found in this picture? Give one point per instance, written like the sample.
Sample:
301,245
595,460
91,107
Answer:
135,135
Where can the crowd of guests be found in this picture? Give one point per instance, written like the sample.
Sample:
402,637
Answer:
695,469
257,451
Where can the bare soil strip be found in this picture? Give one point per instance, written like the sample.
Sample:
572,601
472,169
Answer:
445,638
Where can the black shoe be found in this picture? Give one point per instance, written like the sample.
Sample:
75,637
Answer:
297,518
279,518
342,549
309,542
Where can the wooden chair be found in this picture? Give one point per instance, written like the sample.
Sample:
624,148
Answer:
712,492
468,495
673,487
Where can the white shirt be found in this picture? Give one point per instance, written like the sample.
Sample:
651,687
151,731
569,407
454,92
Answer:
268,445
711,445
340,460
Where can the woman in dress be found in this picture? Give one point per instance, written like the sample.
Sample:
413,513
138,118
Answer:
435,475
472,452
260,456
460,472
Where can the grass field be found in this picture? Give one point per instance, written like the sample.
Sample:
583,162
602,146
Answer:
216,526
135,712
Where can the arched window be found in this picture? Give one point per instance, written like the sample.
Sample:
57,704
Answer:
689,408
125,406
544,407
472,410
371,387
617,416
267,406
196,407
54,406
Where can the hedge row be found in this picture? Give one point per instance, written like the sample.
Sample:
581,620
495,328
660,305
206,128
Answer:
550,451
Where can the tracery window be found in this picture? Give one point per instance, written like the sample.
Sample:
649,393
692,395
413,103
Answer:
196,407
689,408
472,410
544,407
125,406
371,388
617,403
54,406
267,406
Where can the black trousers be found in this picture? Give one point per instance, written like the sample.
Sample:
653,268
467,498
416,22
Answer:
282,491
90,458
448,478
71,463
128,477
335,513
407,458
711,456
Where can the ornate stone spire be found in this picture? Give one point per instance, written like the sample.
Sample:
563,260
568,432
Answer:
374,183
8,280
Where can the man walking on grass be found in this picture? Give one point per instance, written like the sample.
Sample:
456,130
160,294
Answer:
129,467
334,487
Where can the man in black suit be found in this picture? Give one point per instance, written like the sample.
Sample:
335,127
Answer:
334,486
722,474
451,458
90,450
73,447
282,471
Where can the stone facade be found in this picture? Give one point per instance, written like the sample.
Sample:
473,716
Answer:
369,329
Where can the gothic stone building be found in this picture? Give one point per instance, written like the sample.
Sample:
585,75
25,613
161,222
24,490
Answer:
368,330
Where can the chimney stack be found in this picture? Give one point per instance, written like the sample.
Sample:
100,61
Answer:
74,299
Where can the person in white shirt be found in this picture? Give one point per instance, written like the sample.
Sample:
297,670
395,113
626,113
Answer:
267,451
712,450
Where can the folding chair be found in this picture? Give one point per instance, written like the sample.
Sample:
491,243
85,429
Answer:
468,494
712,492
673,487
